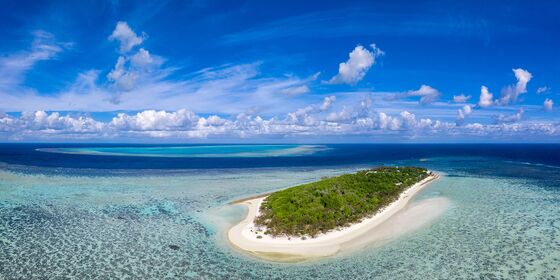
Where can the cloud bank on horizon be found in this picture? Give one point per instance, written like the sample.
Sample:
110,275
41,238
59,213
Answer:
134,77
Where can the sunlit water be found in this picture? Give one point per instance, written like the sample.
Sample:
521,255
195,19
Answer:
503,223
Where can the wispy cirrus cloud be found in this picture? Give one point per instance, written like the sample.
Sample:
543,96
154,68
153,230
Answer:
140,80
336,24
224,90
14,67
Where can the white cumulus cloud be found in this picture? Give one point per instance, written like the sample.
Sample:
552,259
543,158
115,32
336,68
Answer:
463,113
327,102
156,120
126,37
132,68
310,121
41,122
143,58
510,118
512,92
486,97
426,93
303,115
355,68
542,90
461,98
122,78
548,103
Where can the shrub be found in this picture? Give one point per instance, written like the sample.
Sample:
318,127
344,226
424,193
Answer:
310,209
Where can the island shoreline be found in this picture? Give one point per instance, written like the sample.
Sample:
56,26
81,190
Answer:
244,237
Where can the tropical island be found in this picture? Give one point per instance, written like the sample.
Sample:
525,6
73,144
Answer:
315,219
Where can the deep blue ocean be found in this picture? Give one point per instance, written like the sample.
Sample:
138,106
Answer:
335,155
100,211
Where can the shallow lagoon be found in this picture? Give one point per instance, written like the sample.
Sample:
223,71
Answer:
502,223
196,151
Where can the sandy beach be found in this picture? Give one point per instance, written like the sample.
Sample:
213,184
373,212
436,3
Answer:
249,238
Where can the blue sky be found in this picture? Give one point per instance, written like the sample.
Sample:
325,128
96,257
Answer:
264,71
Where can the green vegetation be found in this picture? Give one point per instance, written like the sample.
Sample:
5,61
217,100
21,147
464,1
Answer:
330,203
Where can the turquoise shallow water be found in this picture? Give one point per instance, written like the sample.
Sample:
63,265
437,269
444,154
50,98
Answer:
204,151
503,223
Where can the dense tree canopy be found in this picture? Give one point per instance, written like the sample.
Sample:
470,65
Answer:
310,209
